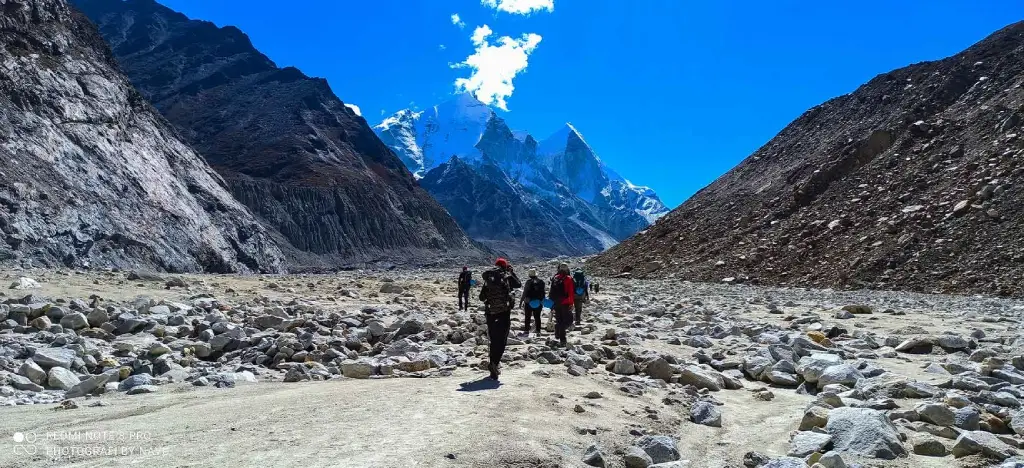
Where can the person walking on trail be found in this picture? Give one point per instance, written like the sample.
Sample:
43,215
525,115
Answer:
581,292
532,301
562,294
498,304
465,281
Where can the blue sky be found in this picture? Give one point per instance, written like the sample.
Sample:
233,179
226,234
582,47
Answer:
670,93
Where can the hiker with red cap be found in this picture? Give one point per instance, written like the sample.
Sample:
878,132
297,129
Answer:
498,304
465,281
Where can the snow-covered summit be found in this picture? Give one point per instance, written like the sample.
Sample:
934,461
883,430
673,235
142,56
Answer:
562,170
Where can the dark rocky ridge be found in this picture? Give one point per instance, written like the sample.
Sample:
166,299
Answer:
288,148
492,208
913,181
90,174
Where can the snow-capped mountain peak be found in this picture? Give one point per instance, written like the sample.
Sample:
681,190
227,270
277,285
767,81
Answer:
561,173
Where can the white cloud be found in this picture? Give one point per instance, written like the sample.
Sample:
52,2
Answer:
458,21
494,66
442,47
520,7
355,109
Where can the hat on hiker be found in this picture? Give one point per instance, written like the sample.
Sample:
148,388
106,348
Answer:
532,273
502,263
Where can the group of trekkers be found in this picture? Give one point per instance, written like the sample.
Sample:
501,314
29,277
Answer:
565,293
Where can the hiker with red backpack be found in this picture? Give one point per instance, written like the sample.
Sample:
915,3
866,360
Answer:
562,294
496,295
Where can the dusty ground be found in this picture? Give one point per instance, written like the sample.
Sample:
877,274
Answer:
459,420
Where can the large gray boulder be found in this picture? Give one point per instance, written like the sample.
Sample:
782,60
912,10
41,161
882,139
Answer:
843,374
61,378
32,370
54,357
636,457
91,384
701,378
864,432
985,443
811,367
660,448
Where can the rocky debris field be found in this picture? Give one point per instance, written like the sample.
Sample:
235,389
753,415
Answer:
379,369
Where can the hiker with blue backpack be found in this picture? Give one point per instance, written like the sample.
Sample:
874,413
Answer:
532,301
581,292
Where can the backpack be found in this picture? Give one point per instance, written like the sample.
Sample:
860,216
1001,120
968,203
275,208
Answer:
580,281
534,289
557,291
496,292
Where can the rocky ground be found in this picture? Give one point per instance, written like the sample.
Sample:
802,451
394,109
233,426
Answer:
380,369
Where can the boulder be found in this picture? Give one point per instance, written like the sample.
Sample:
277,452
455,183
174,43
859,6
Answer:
25,283
135,381
54,357
843,374
623,367
936,413
61,378
815,416
33,372
635,457
706,413
805,443
357,369
811,367
659,369
594,456
91,384
984,443
701,378
74,321
864,432
924,444
660,448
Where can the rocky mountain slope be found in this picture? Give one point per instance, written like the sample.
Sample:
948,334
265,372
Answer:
90,174
586,205
491,207
288,148
913,181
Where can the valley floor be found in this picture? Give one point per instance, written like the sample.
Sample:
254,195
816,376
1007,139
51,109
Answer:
539,414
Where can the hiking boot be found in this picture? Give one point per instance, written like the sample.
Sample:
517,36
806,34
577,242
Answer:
494,371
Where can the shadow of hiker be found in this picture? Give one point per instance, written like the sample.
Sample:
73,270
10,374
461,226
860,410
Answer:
485,383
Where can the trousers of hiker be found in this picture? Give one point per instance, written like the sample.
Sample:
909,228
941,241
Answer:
563,322
464,298
534,313
498,325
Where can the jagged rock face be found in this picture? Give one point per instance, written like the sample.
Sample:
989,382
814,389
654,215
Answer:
288,148
913,181
596,207
92,176
491,207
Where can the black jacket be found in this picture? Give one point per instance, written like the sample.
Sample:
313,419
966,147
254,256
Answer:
534,289
464,279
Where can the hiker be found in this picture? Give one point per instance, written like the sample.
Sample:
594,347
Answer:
581,292
465,281
498,303
562,293
596,287
532,300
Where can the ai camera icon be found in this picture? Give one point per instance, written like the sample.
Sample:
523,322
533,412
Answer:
19,437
